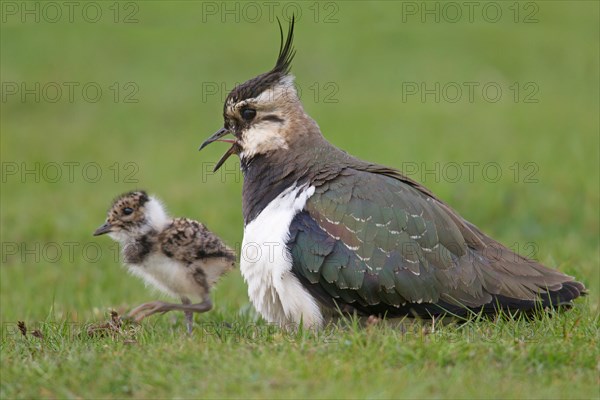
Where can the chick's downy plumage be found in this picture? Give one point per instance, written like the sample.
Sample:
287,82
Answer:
179,257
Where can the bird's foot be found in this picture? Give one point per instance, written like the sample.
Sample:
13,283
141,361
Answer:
372,320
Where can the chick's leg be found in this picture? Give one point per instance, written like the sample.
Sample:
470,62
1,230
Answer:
148,309
189,315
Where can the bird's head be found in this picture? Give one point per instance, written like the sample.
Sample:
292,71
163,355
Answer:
264,114
133,215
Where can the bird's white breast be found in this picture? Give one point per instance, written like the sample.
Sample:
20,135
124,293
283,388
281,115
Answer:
166,275
266,263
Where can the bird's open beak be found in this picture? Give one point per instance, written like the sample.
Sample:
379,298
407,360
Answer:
216,137
105,228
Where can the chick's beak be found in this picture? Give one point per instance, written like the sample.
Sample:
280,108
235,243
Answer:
216,137
105,228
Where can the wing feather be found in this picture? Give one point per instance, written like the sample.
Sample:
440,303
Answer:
377,242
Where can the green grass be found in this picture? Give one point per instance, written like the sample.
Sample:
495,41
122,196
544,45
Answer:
170,55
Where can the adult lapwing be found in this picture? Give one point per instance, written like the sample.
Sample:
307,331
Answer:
325,231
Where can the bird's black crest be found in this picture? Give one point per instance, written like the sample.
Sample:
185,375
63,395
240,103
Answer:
256,86
286,51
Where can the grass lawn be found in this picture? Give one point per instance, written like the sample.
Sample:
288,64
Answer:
495,109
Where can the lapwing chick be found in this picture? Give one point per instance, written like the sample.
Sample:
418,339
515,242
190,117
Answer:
353,235
178,256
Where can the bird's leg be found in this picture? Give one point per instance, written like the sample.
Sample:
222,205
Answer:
147,309
189,316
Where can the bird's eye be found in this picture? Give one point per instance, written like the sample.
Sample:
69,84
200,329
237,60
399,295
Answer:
248,114
127,210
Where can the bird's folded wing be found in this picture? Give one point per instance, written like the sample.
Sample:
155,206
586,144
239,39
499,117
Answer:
369,239
187,241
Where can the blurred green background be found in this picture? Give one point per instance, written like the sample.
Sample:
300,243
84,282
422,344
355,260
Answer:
164,70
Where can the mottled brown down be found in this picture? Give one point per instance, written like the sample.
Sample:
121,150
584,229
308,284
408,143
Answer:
180,256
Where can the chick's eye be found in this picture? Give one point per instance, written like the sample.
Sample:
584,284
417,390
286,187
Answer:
127,210
248,114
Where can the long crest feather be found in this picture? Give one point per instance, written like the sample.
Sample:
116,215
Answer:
286,51
262,82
